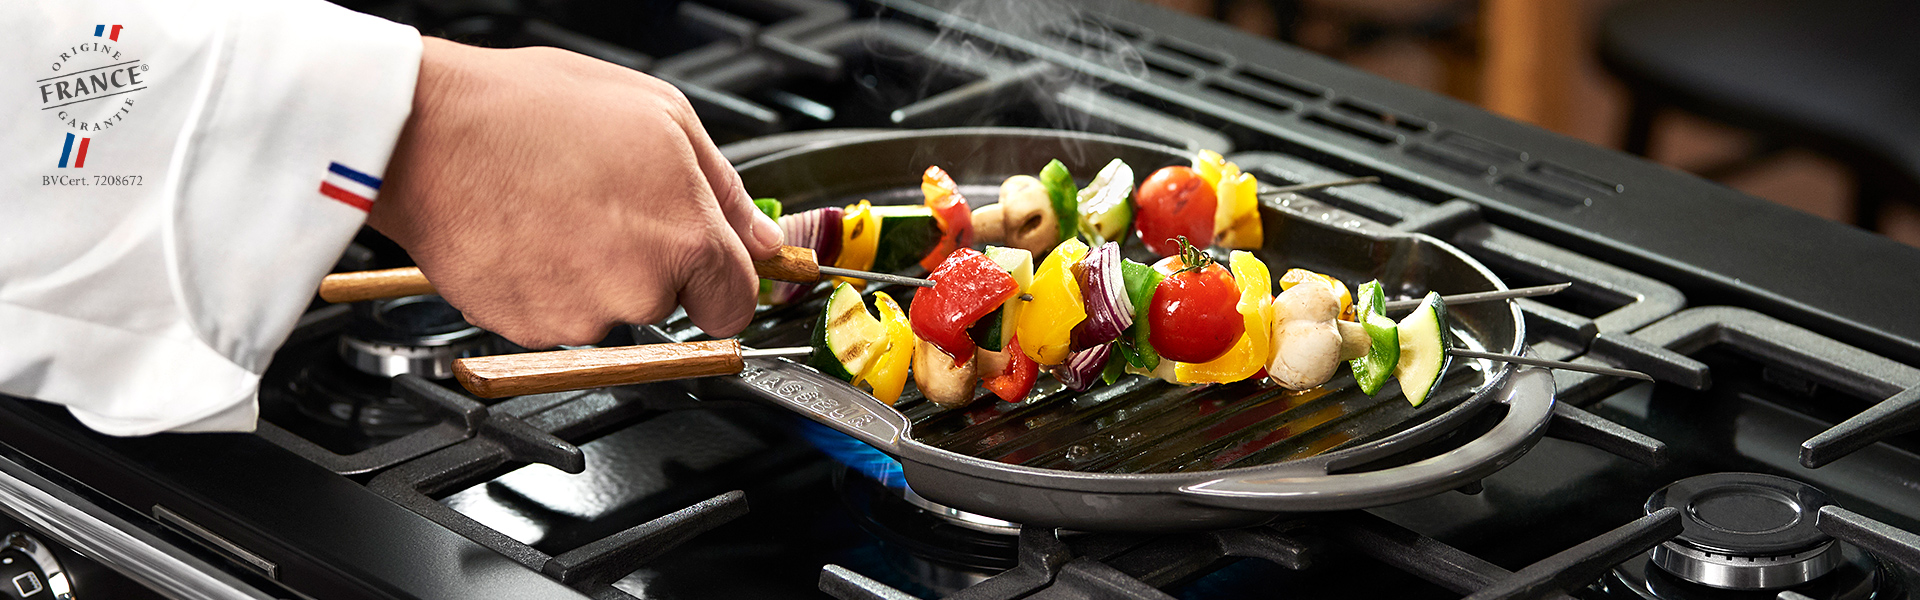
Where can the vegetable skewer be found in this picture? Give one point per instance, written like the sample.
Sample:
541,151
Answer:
394,283
1298,352
566,370
792,263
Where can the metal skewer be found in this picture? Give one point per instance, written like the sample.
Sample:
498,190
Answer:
746,352
1306,187
1469,298
1551,364
790,263
870,276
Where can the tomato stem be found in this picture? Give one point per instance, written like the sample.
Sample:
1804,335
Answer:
1191,258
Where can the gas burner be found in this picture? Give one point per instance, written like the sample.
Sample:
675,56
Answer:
1748,536
980,523
1745,531
935,547
1856,576
420,335
879,468
337,391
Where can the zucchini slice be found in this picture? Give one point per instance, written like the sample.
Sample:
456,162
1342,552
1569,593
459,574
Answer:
847,338
986,332
1424,340
1018,264
907,234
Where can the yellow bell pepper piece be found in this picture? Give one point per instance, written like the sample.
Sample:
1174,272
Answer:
1046,326
859,241
1295,276
1236,213
888,373
1208,165
1251,352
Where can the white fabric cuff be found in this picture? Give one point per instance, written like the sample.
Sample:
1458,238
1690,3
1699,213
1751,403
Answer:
124,383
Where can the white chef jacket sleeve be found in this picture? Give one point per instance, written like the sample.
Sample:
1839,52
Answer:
177,177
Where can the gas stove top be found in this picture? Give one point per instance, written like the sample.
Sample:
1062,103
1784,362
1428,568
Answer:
1776,453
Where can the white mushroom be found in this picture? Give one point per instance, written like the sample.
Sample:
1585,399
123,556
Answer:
989,224
939,379
1306,340
1027,213
990,363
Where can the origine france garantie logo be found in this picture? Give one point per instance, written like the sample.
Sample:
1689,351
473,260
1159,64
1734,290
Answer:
90,87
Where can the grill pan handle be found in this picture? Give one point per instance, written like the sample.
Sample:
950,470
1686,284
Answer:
502,375
1529,400
827,400
803,390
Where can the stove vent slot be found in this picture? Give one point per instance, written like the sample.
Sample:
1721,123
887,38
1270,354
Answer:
1450,160
1576,179
1497,153
1365,132
1168,68
1282,84
1541,192
1253,95
1124,30
1368,112
1081,38
1192,53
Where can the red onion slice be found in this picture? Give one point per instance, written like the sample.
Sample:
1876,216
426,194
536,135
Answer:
1104,292
818,229
1083,368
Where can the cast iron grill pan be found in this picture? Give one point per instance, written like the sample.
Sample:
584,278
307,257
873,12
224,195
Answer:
1145,455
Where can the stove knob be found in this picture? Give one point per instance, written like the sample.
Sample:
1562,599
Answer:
29,571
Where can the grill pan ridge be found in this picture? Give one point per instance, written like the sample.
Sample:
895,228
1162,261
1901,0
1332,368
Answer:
1145,455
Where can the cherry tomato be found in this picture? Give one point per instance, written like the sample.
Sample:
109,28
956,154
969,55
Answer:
1194,316
1174,202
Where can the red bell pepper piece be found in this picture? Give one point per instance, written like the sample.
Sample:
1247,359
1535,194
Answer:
967,286
950,211
1013,384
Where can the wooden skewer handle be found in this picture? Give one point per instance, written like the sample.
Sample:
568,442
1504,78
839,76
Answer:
374,285
505,375
792,263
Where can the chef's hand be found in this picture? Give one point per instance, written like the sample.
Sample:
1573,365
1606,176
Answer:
550,196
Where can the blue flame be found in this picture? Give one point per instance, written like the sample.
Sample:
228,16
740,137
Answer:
863,459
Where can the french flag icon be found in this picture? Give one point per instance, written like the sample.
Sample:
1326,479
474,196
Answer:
350,187
111,32
67,151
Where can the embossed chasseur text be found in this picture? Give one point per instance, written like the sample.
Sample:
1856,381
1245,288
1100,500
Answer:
807,395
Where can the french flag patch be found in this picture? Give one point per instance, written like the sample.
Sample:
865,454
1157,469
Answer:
351,187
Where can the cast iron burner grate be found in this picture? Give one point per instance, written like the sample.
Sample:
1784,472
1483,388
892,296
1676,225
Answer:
1110,566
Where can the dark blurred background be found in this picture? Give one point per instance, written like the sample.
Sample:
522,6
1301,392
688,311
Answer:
1803,103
